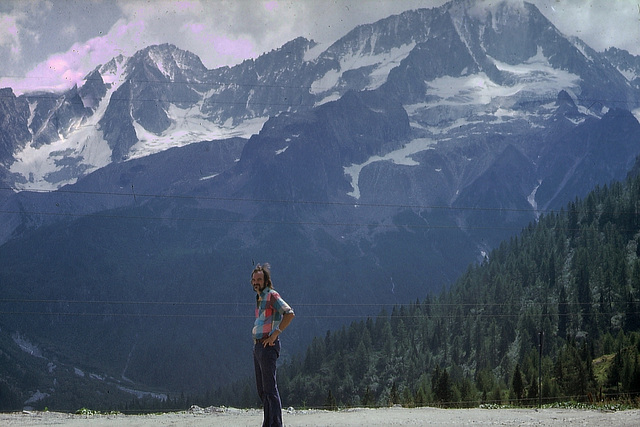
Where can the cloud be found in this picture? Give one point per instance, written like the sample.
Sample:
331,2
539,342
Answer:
12,35
213,30
69,30
19,27
599,23
29,32
210,29
226,32
220,32
9,32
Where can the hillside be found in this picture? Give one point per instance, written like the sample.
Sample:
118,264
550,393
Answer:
572,281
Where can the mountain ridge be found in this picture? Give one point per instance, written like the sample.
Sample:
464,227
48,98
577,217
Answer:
149,91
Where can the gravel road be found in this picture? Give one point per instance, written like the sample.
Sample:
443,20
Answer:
396,416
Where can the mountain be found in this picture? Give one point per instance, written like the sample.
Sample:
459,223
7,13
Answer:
163,96
627,64
370,173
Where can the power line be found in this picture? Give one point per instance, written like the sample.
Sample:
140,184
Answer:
44,94
264,222
310,316
251,86
170,82
511,310
256,200
350,204
417,226
407,305
281,201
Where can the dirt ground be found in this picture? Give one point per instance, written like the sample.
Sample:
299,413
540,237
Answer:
396,416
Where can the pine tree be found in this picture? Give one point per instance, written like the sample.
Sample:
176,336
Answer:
394,397
563,313
330,402
517,384
421,397
443,392
368,399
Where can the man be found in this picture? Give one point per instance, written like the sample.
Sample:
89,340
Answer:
273,315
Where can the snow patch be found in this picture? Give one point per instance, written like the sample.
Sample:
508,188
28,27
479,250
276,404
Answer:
113,72
465,101
204,178
387,62
532,200
189,126
43,168
26,346
535,78
326,82
159,59
140,394
381,64
576,121
629,74
85,149
401,156
35,397
313,53
330,98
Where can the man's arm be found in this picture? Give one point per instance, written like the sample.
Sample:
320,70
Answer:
286,320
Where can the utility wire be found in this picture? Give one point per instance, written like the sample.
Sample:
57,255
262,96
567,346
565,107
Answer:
43,94
255,221
407,305
310,316
350,204
511,310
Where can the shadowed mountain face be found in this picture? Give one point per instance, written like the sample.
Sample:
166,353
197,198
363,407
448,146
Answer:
369,174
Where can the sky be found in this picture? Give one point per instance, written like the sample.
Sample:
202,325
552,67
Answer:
53,44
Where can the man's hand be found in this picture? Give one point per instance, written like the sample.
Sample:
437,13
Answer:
271,339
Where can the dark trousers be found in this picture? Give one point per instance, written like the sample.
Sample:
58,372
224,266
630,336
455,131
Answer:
264,360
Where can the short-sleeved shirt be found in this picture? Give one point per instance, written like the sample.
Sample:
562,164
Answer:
270,307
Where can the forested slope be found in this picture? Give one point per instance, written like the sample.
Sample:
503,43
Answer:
571,280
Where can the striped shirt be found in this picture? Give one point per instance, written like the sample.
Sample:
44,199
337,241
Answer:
270,307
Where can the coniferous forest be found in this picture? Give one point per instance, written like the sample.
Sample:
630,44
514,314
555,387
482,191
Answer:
553,315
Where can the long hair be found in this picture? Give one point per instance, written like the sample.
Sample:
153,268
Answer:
266,270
